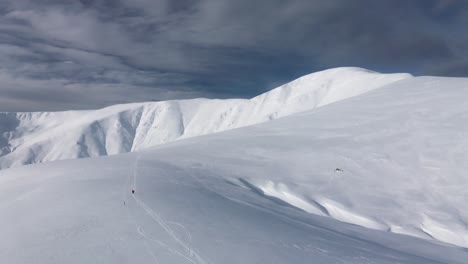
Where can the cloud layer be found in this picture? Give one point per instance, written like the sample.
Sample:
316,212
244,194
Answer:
69,54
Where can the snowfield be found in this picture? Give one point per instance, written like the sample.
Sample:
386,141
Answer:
360,168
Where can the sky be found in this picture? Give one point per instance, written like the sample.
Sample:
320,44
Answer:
85,54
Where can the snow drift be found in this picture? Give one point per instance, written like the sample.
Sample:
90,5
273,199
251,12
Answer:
46,136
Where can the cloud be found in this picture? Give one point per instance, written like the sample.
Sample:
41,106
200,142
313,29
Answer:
55,53
53,94
455,67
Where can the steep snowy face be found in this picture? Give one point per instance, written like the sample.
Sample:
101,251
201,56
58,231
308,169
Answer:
38,137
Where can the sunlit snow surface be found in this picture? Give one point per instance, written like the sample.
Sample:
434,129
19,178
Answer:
27,138
268,193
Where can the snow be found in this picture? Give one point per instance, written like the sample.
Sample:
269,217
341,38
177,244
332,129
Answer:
39,137
402,150
73,212
267,192
403,161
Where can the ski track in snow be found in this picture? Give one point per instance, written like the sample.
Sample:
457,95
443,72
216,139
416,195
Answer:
163,245
125,190
193,256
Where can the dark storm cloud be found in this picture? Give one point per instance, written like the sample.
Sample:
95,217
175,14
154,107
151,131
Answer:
60,54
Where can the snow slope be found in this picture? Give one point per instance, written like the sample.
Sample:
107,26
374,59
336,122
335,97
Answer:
73,212
268,193
401,151
46,136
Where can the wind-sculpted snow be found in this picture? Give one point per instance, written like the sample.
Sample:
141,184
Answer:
38,137
394,159
83,211
379,178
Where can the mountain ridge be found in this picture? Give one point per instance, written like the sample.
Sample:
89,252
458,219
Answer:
378,178
34,137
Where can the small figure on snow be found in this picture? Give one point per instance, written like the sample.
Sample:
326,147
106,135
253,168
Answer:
133,191
338,170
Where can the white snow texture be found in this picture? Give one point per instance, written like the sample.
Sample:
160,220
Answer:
359,167
38,137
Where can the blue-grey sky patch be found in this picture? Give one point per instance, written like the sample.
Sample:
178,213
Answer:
69,54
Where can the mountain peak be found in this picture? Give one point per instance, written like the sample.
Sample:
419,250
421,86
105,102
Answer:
46,136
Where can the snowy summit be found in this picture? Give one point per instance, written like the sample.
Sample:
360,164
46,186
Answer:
340,166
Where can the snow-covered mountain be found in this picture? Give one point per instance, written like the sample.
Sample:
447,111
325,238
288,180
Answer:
377,178
46,136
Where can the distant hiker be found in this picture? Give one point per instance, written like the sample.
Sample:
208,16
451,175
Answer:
338,170
133,191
